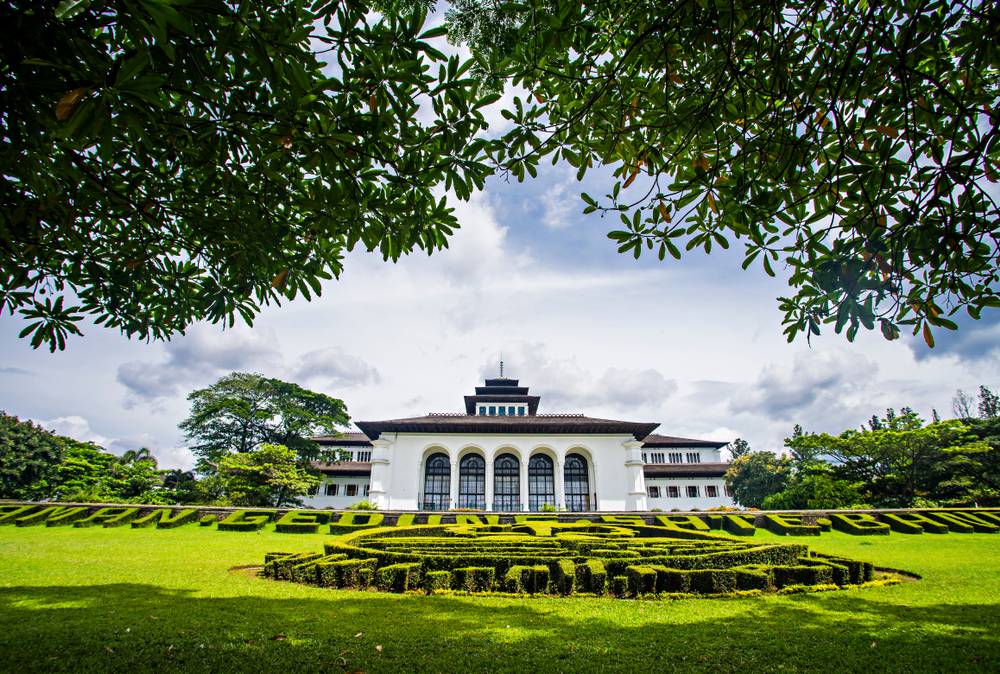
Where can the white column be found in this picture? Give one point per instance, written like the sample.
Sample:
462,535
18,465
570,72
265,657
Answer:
560,486
637,481
524,485
454,485
381,473
489,484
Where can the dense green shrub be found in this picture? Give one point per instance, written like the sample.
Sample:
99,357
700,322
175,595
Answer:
619,586
978,523
790,525
712,581
108,517
398,577
207,520
533,579
641,580
351,522
954,524
913,523
859,524
342,572
66,516
738,525
691,522
801,574
824,523
591,576
10,513
563,574
246,520
473,578
754,578
301,521
435,581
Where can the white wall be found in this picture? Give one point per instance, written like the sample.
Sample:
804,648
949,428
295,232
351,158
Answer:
321,500
684,502
400,486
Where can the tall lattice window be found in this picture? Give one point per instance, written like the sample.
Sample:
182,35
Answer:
506,483
437,483
541,482
576,482
472,482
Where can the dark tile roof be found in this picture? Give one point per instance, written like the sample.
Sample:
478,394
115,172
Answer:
540,423
345,439
344,467
685,469
530,401
655,440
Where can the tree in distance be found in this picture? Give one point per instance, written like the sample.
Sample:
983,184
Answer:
853,143
242,412
168,162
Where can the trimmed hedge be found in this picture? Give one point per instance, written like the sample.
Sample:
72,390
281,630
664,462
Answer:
246,520
563,574
10,513
641,580
802,574
108,517
301,522
789,525
619,586
207,520
344,573
913,523
591,576
824,523
689,522
37,517
474,578
532,579
435,581
738,525
348,522
859,524
398,577
978,524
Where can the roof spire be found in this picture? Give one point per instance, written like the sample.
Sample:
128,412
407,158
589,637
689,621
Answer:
501,364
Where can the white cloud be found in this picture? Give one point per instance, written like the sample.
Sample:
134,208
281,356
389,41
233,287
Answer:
79,428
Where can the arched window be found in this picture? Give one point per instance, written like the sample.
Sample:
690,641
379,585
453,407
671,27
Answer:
472,482
576,481
437,483
541,483
506,483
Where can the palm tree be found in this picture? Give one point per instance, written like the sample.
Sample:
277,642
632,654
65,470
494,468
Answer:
137,455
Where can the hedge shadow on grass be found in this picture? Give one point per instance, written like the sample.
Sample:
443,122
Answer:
140,627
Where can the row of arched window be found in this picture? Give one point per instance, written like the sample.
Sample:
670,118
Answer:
506,483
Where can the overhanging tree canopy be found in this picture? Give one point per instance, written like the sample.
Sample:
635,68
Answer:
854,143
165,161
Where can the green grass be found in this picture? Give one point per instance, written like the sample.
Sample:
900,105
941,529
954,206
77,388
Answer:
108,599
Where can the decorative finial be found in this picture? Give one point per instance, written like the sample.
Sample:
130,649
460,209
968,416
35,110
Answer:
501,364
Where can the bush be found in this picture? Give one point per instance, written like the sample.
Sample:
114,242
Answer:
343,572
10,513
789,525
533,579
859,524
398,577
351,522
824,523
363,505
246,520
738,525
435,581
108,517
473,578
641,580
563,574
207,521
301,521
713,581
913,523
591,576
979,524
619,586
801,574
66,516
754,579
689,522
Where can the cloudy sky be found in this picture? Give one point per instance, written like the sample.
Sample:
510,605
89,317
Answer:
695,345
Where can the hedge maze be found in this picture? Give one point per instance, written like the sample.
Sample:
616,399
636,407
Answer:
624,559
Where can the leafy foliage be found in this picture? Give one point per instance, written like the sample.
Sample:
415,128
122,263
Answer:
755,476
852,143
29,455
165,162
267,476
242,411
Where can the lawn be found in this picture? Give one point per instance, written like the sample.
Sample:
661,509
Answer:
140,599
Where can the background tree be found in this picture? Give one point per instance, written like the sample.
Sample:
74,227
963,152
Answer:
815,489
852,144
268,476
29,457
242,411
739,447
166,162
755,476
989,404
962,404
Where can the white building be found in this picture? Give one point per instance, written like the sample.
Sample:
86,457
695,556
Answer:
502,456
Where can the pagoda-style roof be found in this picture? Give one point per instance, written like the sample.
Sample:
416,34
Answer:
501,390
655,440
685,469
551,424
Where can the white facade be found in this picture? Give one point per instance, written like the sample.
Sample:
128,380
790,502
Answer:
491,461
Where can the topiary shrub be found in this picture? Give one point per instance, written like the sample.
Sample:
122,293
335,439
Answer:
689,522
563,574
108,517
619,586
978,524
343,573
859,524
437,581
301,522
913,523
207,520
473,578
398,577
10,513
591,576
738,525
789,525
66,516
351,522
641,580
246,520
824,523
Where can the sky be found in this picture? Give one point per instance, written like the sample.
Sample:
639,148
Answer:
695,345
